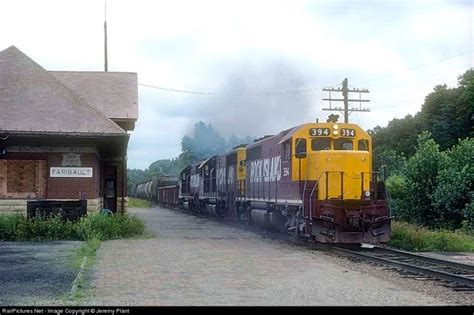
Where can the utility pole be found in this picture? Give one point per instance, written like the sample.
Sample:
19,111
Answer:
106,66
345,98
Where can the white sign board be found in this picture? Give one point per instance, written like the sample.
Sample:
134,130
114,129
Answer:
70,172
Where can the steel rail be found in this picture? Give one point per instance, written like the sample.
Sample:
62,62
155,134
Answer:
451,277
433,260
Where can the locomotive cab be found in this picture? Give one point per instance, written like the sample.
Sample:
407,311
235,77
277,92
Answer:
343,199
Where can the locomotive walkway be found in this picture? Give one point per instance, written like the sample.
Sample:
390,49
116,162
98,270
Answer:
195,261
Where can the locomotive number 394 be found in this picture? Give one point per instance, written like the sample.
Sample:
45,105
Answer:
348,132
315,132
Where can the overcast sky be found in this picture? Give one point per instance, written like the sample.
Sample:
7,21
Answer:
248,52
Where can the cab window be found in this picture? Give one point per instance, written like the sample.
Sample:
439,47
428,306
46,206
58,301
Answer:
300,148
363,145
287,150
319,144
343,144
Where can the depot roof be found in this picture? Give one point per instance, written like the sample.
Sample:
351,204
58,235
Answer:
34,100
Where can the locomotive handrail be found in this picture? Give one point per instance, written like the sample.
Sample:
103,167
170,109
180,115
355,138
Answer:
303,193
316,185
310,198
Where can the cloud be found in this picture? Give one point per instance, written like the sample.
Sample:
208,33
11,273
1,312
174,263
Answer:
399,50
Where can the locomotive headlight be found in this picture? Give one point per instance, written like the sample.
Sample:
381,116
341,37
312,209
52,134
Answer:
367,194
336,127
335,132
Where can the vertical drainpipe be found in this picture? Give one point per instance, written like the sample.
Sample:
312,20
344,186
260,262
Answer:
124,169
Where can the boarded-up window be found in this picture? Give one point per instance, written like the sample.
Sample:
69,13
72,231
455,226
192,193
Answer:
21,176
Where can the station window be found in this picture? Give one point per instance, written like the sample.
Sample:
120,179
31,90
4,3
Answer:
319,144
363,145
343,144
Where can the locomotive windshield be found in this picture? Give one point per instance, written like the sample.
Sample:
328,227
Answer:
343,144
319,144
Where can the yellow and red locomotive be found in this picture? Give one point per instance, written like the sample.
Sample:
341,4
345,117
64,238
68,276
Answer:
315,179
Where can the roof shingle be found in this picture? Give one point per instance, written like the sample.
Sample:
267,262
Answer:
115,94
33,100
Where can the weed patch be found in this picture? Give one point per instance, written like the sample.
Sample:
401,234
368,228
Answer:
138,203
96,226
414,238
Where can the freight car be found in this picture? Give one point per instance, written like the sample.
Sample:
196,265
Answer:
168,195
315,179
149,189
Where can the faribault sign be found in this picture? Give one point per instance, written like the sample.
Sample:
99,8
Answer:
70,172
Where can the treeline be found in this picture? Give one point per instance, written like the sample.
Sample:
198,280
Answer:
205,141
428,159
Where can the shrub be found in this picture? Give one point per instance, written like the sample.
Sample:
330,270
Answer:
108,227
434,189
44,228
9,226
396,187
422,179
95,226
453,196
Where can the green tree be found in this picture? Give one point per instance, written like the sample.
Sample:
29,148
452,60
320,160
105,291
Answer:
204,142
166,167
465,106
134,177
438,115
453,195
388,161
399,135
398,190
421,178
447,113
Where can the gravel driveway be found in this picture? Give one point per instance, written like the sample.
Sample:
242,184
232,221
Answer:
36,273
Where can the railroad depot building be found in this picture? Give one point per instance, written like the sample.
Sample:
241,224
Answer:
63,134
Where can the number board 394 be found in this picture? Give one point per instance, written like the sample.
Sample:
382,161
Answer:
346,132
319,132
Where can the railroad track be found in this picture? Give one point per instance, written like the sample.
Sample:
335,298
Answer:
457,276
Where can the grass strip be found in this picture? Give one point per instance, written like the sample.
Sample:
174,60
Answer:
84,258
414,238
138,203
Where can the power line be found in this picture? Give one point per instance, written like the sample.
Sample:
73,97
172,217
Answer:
389,106
283,92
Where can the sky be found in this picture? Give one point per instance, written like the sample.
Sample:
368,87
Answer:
259,66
